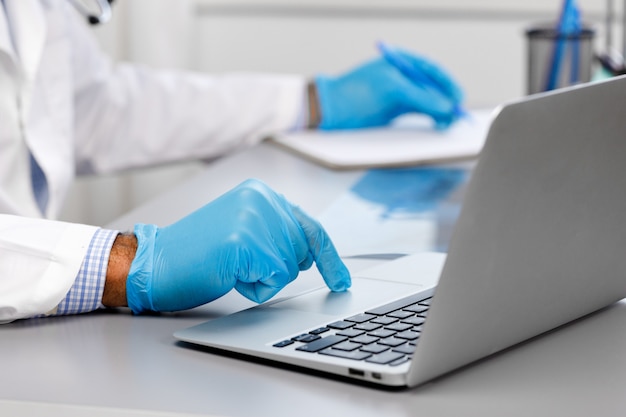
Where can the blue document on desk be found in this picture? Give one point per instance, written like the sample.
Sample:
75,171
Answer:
410,140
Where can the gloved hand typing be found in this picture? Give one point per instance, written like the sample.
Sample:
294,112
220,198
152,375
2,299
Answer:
250,239
376,92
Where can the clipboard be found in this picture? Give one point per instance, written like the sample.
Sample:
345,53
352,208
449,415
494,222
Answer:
409,140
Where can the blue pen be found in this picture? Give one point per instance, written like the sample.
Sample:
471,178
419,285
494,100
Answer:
569,24
576,29
557,52
417,77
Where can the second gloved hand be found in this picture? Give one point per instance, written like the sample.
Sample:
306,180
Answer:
251,239
376,92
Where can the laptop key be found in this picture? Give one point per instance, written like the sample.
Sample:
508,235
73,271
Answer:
384,320
407,349
368,326
365,339
400,314
400,361
351,332
425,302
382,333
340,325
392,341
306,338
416,308
347,345
416,321
356,355
375,348
396,305
320,330
360,318
408,335
321,343
385,357
398,327
283,343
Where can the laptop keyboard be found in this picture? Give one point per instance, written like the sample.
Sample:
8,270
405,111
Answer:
384,335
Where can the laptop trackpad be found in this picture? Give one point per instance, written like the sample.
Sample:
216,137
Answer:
373,287
364,294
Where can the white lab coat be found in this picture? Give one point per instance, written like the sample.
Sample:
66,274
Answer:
63,101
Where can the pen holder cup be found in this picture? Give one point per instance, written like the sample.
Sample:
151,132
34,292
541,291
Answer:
558,60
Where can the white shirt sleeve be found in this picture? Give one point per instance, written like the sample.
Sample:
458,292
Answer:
39,261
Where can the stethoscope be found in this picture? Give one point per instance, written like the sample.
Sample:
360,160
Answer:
104,6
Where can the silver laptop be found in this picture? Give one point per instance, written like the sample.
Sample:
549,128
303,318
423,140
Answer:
540,241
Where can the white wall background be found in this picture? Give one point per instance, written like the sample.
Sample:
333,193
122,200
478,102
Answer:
481,42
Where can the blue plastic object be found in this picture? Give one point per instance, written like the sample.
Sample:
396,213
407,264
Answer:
251,239
569,26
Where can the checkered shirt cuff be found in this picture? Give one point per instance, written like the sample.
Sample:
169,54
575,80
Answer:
86,292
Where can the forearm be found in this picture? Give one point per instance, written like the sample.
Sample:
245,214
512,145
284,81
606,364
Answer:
205,116
120,259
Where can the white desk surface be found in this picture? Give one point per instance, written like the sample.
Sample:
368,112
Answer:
114,364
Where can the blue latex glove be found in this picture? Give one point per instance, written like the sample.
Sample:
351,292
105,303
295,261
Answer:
376,92
250,238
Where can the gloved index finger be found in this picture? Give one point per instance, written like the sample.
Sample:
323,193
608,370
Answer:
327,260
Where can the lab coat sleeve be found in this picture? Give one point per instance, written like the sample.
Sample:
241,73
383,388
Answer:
129,116
39,261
